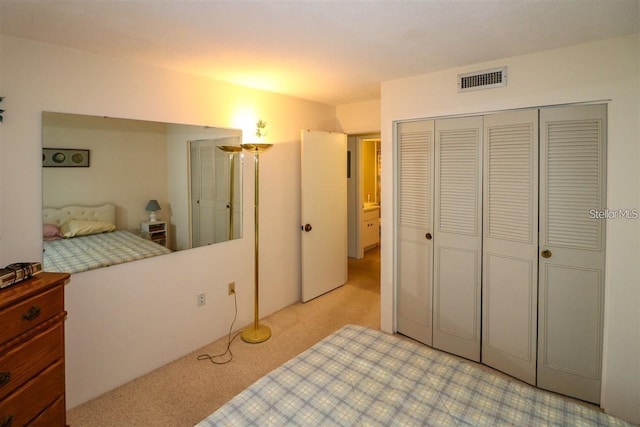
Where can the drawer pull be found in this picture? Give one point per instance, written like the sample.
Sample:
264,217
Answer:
31,314
4,378
6,421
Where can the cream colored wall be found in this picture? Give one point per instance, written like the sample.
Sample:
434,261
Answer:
121,153
601,71
359,117
128,319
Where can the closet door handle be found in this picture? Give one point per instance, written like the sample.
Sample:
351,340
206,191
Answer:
307,227
428,236
546,253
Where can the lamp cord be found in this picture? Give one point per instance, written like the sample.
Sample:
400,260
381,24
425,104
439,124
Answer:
212,358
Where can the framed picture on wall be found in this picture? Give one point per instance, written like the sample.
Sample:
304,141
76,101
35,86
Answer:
65,157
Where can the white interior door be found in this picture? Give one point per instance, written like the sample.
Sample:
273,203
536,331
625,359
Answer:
414,251
323,212
210,193
457,260
510,243
571,263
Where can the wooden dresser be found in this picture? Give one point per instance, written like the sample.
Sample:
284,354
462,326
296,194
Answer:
32,388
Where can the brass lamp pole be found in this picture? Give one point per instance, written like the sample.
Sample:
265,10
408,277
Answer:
256,333
231,150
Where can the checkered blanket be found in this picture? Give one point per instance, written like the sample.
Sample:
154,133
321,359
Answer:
98,250
363,377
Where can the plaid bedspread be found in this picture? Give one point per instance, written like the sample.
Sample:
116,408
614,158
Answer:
363,377
98,250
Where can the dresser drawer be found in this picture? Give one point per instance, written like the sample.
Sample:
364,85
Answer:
54,416
25,361
33,398
24,315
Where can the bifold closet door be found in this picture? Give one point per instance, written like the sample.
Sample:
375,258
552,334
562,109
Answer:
457,257
414,228
204,206
571,263
510,243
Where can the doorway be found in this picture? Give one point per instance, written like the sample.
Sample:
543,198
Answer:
363,193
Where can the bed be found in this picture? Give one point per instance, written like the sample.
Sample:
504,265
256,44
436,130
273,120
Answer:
363,377
82,238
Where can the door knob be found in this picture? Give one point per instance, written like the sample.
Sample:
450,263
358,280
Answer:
428,236
546,253
307,227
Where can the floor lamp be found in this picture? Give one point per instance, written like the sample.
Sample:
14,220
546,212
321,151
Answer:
256,333
231,150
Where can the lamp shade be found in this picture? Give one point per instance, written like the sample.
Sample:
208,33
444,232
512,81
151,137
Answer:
152,206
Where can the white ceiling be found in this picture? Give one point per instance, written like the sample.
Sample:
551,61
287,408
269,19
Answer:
334,52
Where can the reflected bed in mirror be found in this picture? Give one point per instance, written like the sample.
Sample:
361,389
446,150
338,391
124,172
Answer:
197,185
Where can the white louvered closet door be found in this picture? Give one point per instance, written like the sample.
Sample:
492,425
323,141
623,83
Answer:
510,243
203,203
414,229
222,193
458,236
573,161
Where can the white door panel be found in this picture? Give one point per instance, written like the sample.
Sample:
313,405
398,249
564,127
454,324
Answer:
457,272
509,301
571,262
510,243
583,287
414,229
458,236
414,294
324,209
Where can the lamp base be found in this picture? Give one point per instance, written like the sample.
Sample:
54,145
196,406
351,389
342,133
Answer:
254,336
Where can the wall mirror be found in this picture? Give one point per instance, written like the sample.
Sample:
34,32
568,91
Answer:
198,187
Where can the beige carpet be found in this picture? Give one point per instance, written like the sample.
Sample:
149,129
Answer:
187,390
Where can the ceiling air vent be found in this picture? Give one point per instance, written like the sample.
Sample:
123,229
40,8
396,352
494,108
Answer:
486,79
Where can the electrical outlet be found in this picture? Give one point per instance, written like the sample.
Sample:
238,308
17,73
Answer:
201,300
232,288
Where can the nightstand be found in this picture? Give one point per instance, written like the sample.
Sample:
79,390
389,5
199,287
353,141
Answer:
155,231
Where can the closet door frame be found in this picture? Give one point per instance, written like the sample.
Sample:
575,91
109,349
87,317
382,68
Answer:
552,351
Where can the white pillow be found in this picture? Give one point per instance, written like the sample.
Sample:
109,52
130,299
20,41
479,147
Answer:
78,227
